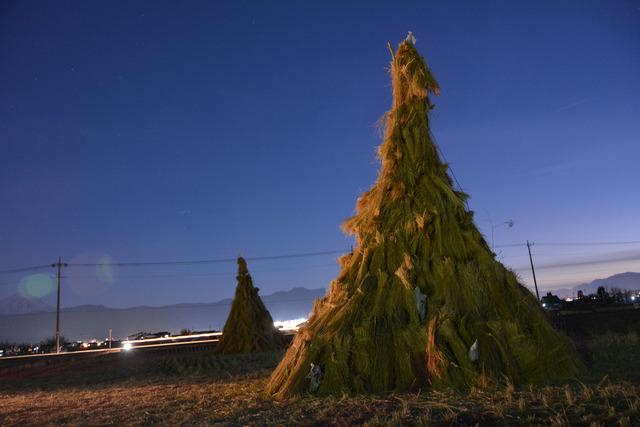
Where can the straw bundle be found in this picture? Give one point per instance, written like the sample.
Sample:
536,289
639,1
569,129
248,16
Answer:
416,240
249,327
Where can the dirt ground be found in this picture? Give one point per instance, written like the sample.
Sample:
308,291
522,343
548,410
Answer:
239,401
206,389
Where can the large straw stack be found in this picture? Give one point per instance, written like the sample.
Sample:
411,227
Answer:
249,327
417,244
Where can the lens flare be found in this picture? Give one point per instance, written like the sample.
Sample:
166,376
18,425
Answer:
94,281
104,271
35,286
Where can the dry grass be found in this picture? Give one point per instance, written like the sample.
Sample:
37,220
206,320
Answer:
206,389
241,401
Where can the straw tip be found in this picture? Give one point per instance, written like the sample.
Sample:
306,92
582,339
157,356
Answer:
242,266
410,38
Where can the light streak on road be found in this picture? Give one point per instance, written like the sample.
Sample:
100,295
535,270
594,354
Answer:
168,344
174,337
24,356
132,345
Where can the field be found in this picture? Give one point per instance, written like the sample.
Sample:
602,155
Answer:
199,388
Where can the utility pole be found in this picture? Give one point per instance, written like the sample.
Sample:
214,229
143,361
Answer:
109,338
535,283
59,266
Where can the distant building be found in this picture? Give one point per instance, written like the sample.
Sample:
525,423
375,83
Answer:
602,294
551,302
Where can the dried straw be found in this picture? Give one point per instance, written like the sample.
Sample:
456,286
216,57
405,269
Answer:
413,230
249,327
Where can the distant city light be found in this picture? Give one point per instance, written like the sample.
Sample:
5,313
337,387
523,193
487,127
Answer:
289,324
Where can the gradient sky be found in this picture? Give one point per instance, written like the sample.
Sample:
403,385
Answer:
148,131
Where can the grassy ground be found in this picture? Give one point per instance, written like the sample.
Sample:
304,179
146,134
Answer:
227,390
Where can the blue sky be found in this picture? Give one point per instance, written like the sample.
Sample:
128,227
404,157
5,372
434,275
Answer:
162,131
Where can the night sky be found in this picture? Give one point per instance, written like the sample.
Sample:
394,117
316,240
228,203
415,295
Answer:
165,131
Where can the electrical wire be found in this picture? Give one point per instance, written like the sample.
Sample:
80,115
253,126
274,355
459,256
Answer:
513,245
142,276
224,302
210,261
629,242
453,175
290,256
23,269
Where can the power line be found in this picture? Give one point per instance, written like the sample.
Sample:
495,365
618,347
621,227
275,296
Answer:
558,255
210,261
23,269
628,242
291,256
552,275
578,263
556,265
178,275
453,175
142,276
187,305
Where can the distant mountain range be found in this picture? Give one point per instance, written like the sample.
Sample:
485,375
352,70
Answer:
17,304
31,320
623,281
